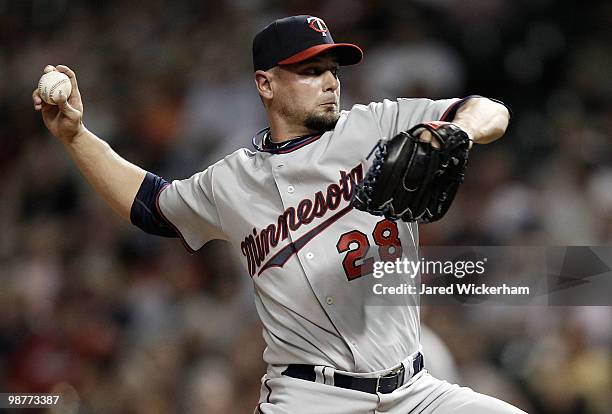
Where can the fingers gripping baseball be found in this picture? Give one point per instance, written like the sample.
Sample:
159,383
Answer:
68,110
65,119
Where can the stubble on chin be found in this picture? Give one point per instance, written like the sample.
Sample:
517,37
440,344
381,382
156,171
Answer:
321,122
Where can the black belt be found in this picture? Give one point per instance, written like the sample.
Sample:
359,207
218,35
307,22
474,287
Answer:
384,384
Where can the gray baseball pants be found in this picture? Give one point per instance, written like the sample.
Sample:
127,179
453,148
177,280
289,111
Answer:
421,394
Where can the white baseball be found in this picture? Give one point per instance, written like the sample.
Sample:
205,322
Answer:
50,85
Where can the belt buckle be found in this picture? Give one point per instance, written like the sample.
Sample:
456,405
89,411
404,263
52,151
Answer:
393,373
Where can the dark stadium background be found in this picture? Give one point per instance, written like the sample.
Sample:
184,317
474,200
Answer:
122,322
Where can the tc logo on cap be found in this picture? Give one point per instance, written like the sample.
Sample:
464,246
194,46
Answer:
294,39
318,25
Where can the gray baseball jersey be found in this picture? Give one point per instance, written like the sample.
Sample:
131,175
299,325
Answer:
310,255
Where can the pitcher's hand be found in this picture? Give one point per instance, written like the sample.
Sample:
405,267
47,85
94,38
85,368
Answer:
64,120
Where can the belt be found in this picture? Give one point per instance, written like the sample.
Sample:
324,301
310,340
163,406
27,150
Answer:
384,384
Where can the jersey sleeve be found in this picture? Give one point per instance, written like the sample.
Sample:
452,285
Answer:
189,206
392,117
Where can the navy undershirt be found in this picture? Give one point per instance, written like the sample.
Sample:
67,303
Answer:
145,213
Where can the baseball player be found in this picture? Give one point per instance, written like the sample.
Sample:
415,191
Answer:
285,208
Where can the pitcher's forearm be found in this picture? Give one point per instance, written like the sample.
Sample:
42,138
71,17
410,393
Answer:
113,177
484,120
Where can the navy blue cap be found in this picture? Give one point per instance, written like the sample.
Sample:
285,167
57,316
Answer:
297,38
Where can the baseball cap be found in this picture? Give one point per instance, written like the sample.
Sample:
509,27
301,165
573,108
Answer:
297,38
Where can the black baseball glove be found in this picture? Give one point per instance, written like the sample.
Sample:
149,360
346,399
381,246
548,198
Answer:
411,179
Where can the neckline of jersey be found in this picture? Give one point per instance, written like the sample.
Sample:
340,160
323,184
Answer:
285,146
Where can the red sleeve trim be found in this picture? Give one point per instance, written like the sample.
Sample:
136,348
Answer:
451,111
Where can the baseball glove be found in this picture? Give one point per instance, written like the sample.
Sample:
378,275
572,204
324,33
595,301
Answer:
411,179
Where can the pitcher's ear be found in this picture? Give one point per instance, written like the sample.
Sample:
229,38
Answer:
263,82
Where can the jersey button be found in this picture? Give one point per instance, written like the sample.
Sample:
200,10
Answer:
290,189
310,255
329,300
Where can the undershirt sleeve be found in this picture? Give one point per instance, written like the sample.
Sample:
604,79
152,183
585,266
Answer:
144,213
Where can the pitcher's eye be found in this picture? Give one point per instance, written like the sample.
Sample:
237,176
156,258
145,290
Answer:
311,71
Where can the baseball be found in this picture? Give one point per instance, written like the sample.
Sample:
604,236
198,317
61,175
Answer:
50,85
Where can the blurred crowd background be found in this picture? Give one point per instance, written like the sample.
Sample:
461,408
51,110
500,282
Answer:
123,322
